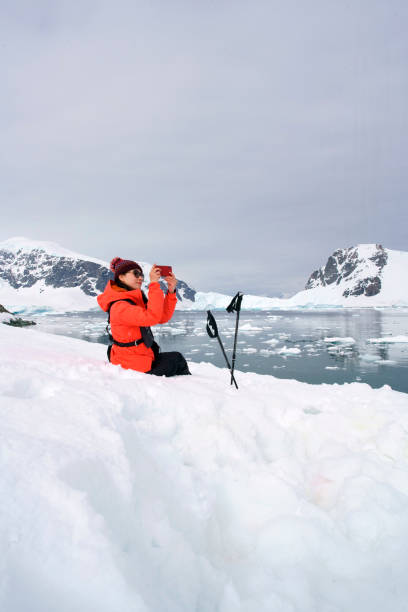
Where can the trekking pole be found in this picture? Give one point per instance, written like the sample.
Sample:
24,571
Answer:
212,331
235,305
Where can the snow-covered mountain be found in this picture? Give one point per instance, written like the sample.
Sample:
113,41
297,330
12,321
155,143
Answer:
38,275
42,276
365,275
357,271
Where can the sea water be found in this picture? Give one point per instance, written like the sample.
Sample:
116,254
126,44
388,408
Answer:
325,346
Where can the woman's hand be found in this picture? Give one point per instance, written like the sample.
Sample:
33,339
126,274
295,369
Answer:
154,274
171,281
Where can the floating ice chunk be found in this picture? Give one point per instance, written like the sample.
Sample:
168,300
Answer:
332,368
386,362
337,349
289,351
174,331
272,341
249,350
338,340
368,357
388,340
249,327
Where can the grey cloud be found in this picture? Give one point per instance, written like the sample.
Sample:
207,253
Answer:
242,142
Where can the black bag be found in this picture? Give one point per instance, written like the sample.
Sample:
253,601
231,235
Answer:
156,350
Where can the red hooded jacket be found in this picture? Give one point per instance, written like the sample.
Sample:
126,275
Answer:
126,321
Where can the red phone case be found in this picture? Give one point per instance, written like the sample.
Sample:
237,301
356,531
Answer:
165,270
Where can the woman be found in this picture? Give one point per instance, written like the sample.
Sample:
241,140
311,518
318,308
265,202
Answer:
131,315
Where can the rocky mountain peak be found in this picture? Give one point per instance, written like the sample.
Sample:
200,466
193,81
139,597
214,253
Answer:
24,263
357,269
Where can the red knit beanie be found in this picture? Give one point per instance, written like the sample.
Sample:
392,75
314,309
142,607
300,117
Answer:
121,266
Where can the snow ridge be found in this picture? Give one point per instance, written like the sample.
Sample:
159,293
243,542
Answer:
21,244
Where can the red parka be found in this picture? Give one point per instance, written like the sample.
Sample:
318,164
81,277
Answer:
126,321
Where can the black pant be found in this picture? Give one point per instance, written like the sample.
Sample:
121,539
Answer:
169,364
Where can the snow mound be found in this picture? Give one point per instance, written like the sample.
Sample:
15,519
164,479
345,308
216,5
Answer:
122,491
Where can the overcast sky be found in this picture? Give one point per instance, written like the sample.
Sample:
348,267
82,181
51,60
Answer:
240,141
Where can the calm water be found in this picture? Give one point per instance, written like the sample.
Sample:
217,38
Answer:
284,344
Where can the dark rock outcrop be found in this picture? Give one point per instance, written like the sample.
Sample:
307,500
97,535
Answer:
182,291
368,286
15,321
18,322
23,269
347,266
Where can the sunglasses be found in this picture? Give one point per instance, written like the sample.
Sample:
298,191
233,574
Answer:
138,274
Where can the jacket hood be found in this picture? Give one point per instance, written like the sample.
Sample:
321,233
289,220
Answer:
112,293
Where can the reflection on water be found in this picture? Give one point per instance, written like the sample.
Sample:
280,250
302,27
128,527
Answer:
313,346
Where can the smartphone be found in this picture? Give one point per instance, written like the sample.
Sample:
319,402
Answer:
165,270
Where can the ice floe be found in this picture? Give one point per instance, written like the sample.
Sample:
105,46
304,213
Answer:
388,340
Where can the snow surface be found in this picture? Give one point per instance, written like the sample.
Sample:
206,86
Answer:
125,492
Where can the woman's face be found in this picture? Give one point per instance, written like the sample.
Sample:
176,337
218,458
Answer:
131,280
